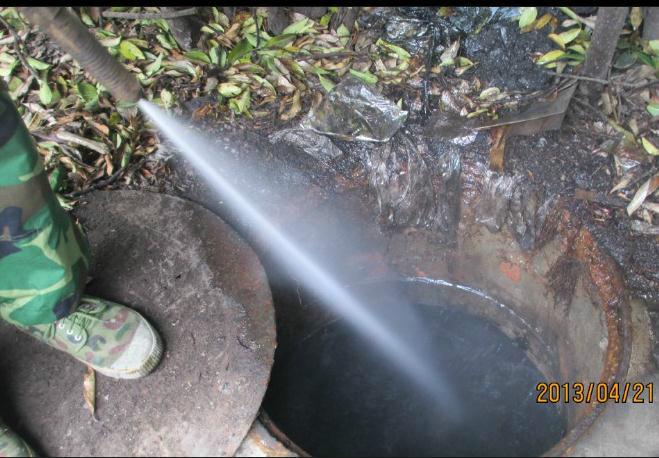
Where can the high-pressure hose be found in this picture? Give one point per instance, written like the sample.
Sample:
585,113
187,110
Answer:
74,38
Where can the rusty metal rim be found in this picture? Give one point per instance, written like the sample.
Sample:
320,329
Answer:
609,292
280,435
618,318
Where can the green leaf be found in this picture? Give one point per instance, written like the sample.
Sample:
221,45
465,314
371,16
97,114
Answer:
251,37
166,98
550,56
635,17
37,64
489,93
223,58
86,19
649,147
326,83
198,55
577,48
463,62
229,90
527,16
367,77
163,41
654,46
571,14
7,59
280,41
557,39
299,28
214,54
184,66
264,82
325,19
569,35
644,58
653,109
154,66
400,52
139,42
87,92
239,50
130,51
110,42
241,104
6,71
625,60
343,34
45,94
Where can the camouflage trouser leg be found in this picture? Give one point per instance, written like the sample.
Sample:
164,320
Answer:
43,256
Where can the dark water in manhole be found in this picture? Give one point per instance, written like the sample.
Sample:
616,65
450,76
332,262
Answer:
332,395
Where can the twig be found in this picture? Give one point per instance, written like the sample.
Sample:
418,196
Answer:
7,40
568,12
321,55
99,147
18,44
599,198
644,86
426,76
594,110
578,77
633,87
163,15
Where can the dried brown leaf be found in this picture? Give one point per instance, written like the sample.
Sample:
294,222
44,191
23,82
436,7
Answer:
497,147
646,189
89,390
294,109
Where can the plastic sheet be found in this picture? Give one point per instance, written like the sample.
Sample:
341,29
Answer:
412,27
449,195
312,143
401,179
457,129
352,112
494,203
513,200
523,207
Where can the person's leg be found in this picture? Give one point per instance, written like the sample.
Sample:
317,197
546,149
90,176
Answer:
43,257
43,269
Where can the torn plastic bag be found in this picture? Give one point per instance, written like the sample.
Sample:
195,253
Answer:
401,179
316,145
494,203
351,111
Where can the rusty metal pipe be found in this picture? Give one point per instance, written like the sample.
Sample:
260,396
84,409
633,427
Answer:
74,38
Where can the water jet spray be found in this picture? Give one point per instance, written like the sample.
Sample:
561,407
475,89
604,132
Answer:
69,32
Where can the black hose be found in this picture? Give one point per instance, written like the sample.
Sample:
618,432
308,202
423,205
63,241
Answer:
74,38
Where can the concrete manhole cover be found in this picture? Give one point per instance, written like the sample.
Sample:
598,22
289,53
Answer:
204,289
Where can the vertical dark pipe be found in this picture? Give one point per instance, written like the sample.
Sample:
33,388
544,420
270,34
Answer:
602,46
74,38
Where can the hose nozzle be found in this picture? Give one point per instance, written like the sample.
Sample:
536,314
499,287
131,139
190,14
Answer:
74,38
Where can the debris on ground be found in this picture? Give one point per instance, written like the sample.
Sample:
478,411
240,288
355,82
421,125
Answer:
353,112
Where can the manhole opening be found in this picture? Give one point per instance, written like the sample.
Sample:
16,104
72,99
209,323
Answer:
331,393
